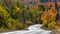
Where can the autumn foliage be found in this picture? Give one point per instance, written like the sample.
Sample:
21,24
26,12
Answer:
17,15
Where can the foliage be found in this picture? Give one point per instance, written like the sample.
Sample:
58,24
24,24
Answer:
5,16
49,26
14,15
48,18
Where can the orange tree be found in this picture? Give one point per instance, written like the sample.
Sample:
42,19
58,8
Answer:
48,19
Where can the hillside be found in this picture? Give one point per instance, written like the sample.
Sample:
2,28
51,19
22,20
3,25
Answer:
37,1
49,0
15,15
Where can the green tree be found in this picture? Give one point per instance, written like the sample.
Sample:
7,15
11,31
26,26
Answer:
4,14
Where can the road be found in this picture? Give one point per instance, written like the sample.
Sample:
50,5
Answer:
34,29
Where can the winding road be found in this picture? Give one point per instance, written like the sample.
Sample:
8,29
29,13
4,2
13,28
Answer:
33,29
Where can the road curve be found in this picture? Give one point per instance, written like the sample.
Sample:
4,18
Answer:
33,29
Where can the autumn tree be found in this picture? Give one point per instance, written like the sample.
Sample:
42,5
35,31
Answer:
48,17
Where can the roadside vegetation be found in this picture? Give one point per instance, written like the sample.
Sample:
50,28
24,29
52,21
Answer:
18,16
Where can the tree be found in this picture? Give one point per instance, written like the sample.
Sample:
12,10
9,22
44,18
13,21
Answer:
32,16
49,18
16,9
57,8
41,7
5,16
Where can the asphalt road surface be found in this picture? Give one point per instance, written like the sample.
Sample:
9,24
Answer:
33,29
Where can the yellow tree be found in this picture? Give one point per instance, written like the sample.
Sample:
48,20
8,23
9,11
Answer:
48,18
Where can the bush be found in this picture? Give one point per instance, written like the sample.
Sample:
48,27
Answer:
16,24
49,26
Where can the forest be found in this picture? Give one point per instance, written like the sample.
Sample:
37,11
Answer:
15,15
